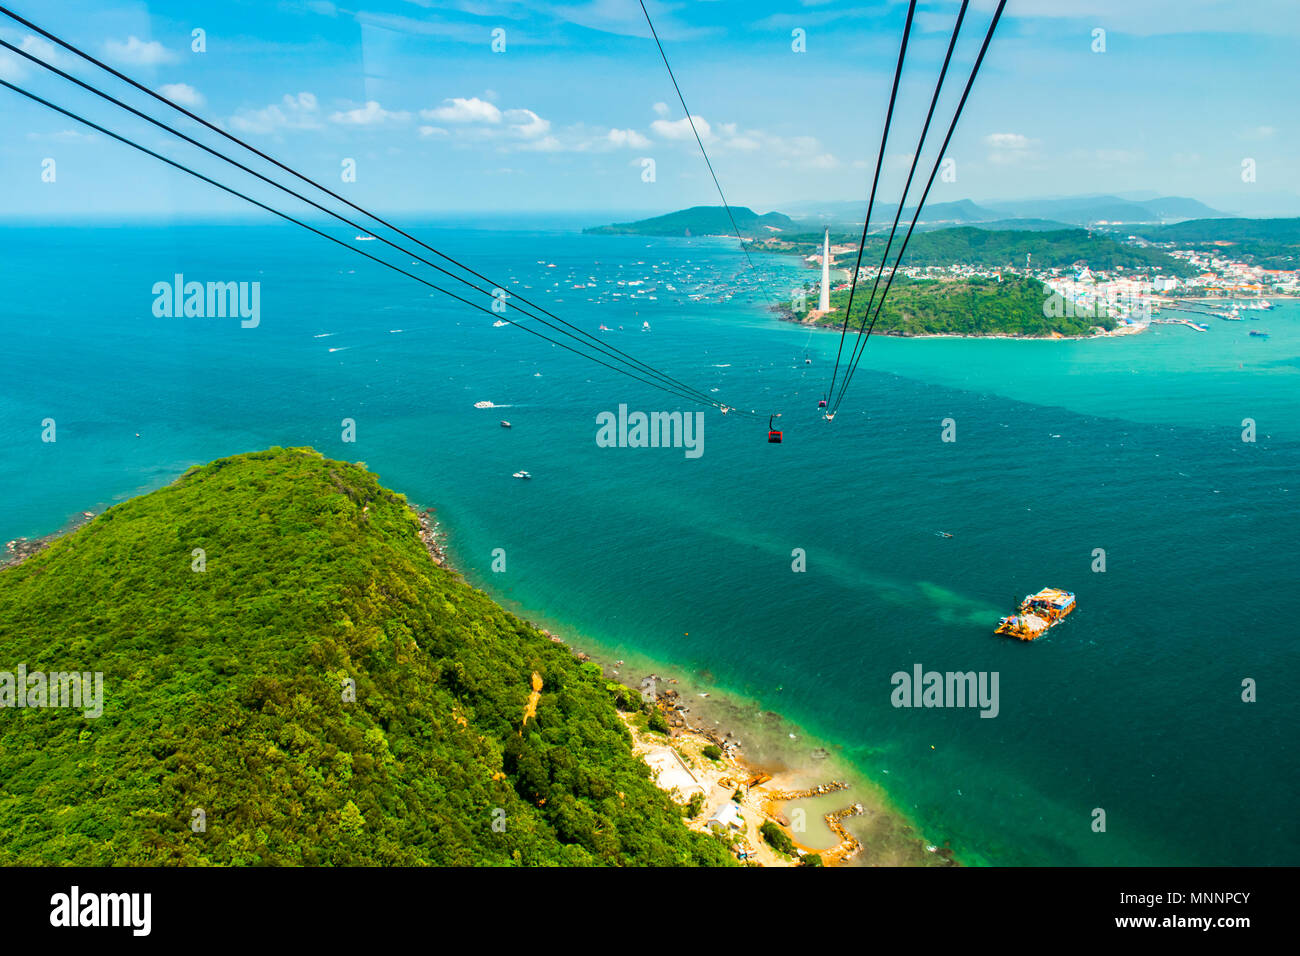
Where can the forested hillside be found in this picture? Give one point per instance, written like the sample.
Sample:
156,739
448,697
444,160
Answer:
226,691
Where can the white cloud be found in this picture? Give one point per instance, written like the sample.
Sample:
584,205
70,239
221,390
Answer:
526,123
10,68
137,52
626,137
681,129
463,110
1007,141
182,93
40,49
661,109
372,114
429,131
292,112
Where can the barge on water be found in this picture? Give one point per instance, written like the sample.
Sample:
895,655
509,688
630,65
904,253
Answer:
1038,613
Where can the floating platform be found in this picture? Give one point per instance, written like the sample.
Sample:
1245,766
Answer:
1038,613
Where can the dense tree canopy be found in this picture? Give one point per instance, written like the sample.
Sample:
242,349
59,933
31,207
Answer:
226,692
1014,306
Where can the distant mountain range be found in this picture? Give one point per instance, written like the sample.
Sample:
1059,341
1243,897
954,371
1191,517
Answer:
1084,210
1163,218
1069,211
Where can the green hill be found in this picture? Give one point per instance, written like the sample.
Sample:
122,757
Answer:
700,221
1014,306
224,691
1270,243
995,248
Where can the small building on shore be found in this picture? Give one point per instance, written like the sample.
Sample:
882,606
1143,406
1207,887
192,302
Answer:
727,817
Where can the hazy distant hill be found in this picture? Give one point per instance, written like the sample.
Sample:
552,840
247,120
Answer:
1230,230
850,212
1089,209
700,221
1022,225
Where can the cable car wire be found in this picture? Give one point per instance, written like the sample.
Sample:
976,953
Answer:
859,342
605,347
283,215
161,125
691,120
988,37
875,180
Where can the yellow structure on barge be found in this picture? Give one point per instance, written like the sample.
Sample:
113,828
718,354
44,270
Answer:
1038,612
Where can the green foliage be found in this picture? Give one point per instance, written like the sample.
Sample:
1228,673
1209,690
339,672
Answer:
1270,243
657,722
625,698
694,806
997,248
224,690
712,751
776,838
1014,306
812,859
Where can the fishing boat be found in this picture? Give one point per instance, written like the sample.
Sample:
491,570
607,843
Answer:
1038,613
521,474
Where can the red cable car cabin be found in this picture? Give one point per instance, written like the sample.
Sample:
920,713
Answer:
773,436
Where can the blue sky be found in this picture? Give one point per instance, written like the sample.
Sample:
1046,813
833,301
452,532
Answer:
436,121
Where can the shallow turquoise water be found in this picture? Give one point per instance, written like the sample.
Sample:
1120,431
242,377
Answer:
1131,445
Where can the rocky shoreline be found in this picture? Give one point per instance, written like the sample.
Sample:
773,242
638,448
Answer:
20,549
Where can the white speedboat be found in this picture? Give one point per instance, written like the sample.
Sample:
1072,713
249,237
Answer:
521,474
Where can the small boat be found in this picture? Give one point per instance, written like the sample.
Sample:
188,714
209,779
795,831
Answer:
1038,612
521,474
484,405
499,323
1259,334
604,328
364,239
505,424
944,534
645,326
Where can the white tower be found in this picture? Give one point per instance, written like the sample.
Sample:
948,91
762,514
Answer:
824,299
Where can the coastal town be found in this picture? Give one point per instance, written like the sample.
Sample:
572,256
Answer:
1214,286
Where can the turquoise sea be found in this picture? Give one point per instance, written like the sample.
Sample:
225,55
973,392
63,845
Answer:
1131,445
